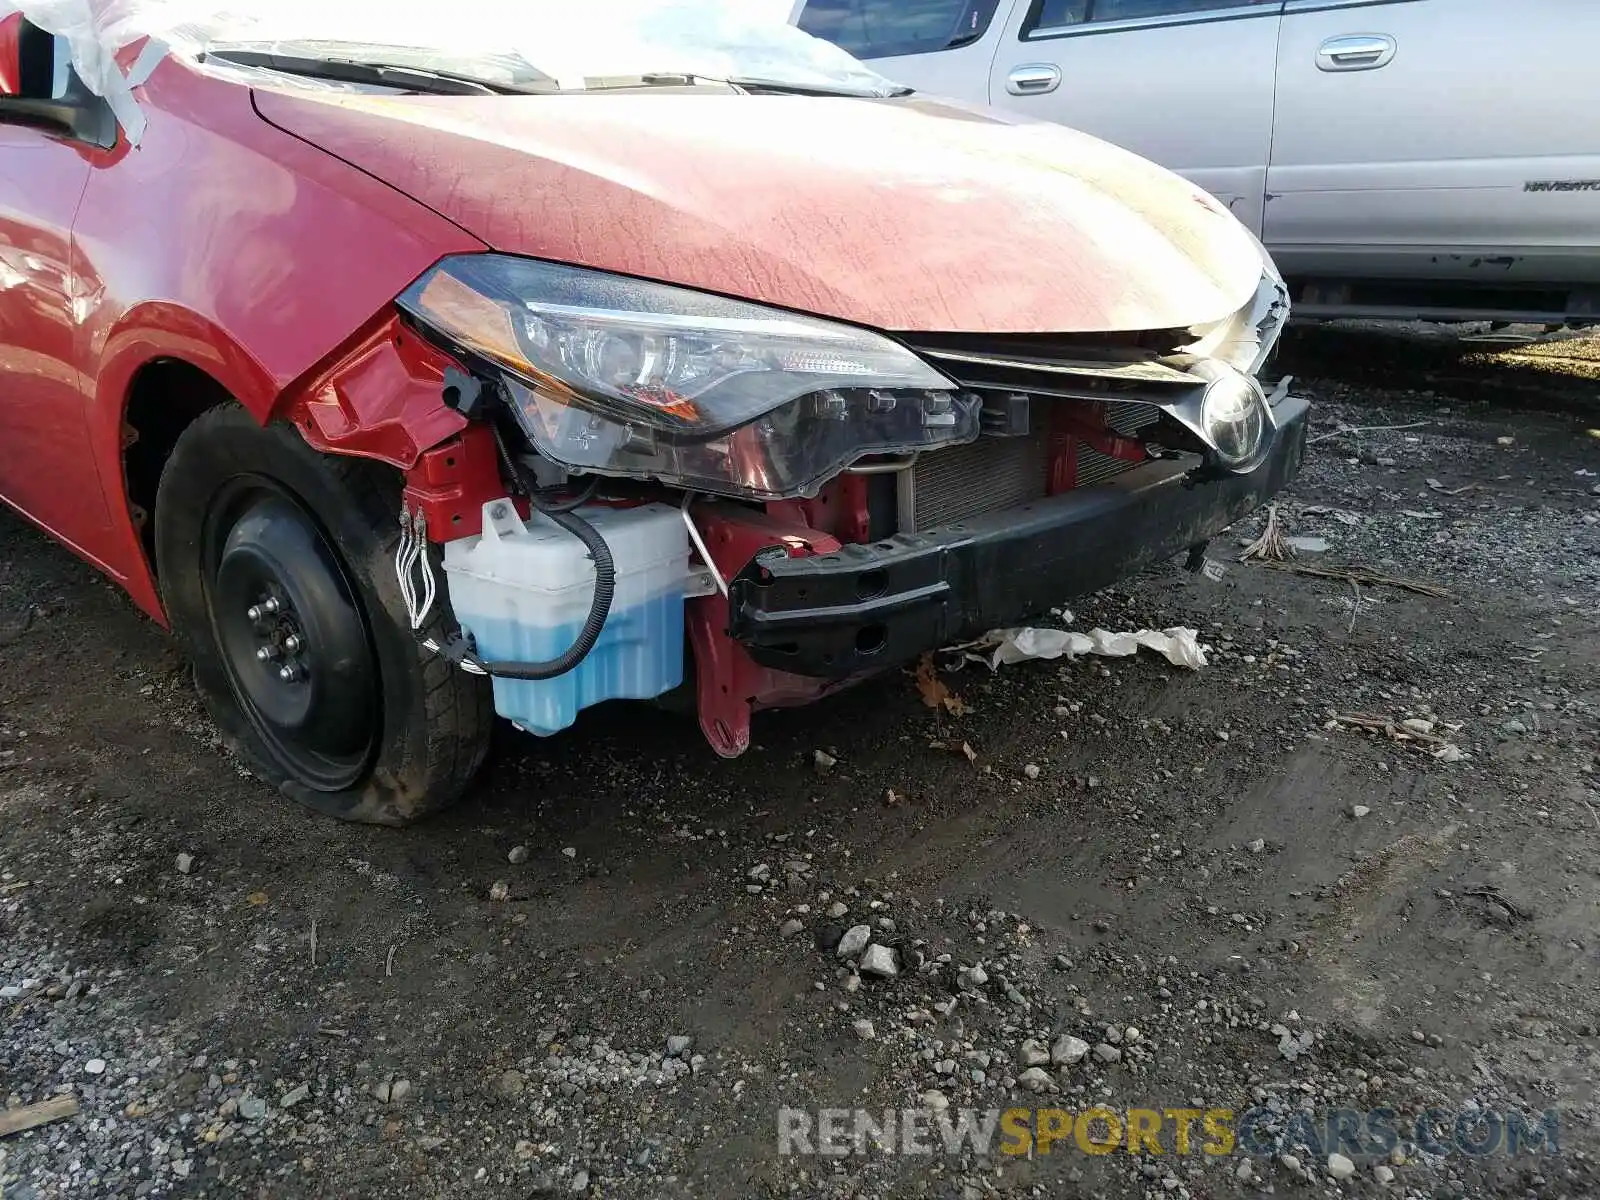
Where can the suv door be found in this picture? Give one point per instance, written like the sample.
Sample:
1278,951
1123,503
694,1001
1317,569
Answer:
46,468
1186,83
1451,144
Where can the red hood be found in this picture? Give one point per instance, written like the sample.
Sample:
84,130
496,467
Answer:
899,215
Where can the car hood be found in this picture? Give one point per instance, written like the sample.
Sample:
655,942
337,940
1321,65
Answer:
897,214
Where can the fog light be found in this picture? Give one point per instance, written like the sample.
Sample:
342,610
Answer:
1234,417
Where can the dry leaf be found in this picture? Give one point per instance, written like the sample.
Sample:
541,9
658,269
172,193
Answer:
256,899
933,690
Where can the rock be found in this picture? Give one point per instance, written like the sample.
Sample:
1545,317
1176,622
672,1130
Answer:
1067,1050
852,983
1245,1171
823,761
570,851
1514,726
517,856
864,1029
1290,1163
380,1091
1340,1167
1107,1053
294,1095
1308,544
828,937
1032,1053
399,1090
1257,846
1031,770
95,1066
936,1100
791,927
838,909
1131,1034
499,890
679,1045
854,941
510,1084
1417,725
1359,810
1036,1079
580,1182
252,1108
970,979
185,863
1383,1174
880,962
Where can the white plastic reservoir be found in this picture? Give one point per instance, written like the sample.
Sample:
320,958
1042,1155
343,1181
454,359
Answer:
523,591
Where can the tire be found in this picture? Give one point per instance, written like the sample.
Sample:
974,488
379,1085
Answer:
266,547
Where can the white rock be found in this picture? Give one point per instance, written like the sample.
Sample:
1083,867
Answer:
292,1097
864,1030
1107,1053
1036,1079
838,909
570,852
1340,1167
1032,1053
1031,770
185,863
1067,1050
1359,810
499,890
824,761
517,856
935,1100
678,1045
95,1066
879,961
854,941
791,927
1257,846
1384,1175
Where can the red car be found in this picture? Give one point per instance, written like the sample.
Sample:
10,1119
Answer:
412,386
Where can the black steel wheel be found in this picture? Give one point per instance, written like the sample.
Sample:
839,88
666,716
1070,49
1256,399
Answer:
275,565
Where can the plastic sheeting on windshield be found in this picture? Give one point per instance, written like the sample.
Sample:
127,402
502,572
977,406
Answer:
567,42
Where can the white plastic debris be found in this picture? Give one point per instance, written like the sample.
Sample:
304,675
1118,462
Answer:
1178,645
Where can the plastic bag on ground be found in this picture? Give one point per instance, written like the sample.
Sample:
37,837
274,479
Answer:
1179,645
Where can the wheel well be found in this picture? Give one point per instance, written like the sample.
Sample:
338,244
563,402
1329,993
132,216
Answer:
165,398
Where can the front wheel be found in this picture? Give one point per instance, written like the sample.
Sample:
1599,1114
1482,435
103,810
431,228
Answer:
275,564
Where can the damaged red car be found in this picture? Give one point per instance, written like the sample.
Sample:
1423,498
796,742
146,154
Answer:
415,377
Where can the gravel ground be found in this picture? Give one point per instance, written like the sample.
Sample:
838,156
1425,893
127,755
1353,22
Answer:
1104,881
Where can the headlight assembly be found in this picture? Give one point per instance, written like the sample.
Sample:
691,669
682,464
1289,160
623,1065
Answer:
621,376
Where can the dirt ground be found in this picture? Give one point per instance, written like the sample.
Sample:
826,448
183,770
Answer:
1293,913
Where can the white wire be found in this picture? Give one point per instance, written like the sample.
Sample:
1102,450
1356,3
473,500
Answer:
400,552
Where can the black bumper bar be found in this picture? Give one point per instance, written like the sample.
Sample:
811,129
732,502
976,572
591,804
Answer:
881,603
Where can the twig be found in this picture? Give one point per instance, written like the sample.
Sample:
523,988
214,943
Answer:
388,962
1592,813
1270,545
1357,575
313,941
1344,429
31,1116
332,1031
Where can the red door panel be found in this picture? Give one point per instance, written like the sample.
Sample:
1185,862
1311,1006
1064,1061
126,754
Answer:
46,467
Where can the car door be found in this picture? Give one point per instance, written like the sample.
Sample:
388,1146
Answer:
1185,83
46,468
1451,140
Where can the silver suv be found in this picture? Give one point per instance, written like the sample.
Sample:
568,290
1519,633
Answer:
1400,158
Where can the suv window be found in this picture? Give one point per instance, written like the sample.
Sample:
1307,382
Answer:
879,28
1064,14
46,63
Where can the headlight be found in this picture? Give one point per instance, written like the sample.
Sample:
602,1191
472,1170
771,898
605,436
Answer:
1234,417
1246,339
622,376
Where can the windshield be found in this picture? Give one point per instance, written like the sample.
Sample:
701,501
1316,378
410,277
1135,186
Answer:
575,45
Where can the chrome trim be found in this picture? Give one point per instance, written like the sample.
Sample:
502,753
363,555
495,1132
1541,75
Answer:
1033,79
891,467
1239,12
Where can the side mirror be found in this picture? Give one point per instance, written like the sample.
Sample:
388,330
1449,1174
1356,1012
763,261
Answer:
11,55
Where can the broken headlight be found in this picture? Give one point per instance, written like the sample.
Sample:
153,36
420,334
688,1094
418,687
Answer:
622,376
